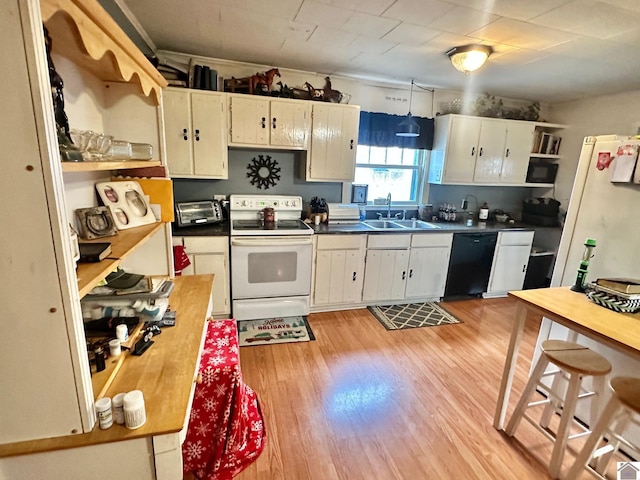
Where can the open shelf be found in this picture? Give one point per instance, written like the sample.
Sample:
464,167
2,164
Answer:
103,166
122,244
544,155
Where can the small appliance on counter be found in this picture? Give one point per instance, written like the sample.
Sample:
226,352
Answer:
343,213
199,213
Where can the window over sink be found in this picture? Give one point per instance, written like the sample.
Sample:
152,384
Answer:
392,170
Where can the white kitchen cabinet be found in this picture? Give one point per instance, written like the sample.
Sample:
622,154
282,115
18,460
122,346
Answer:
195,130
334,137
386,268
339,270
210,255
278,123
509,262
475,150
428,265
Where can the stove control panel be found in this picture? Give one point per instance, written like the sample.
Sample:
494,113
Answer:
259,202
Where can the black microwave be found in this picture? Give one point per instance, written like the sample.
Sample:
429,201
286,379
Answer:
542,172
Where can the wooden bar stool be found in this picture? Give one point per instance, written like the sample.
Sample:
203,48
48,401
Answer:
575,362
616,416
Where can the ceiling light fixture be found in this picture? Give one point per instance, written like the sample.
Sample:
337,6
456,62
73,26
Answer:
469,58
408,127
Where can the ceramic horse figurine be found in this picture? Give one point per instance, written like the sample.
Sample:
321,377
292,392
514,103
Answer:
261,82
314,93
330,95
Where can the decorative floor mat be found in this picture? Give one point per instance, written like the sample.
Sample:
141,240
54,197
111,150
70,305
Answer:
274,330
412,315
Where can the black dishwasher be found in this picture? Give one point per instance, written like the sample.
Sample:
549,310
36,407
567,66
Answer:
470,264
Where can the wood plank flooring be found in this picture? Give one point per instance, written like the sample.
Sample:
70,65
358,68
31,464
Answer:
361,402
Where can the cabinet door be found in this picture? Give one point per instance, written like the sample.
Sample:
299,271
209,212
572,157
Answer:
177,126
353,272
516,153
338,277
334,138
249,120
427,272
290,123
209,134
385,275
510,268
214,263
462,149
491,147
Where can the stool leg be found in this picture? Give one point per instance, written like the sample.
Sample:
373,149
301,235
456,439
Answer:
566,420
598,385
616,424
553,406
535,377
596,434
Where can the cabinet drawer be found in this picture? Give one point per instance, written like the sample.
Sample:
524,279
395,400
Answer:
340,242
432,240
389,241
206,244
515,238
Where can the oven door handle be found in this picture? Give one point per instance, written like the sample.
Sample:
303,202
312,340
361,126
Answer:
270,242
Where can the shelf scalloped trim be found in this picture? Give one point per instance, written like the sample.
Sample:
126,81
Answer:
97,43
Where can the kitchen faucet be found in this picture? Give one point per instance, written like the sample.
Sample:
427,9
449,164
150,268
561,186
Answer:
389,205
389,217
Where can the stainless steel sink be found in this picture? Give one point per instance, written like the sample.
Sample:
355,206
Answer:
417,224
384,224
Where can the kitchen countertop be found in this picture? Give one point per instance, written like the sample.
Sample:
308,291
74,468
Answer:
449,227
209,230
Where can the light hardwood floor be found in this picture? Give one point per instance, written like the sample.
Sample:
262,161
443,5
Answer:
361,402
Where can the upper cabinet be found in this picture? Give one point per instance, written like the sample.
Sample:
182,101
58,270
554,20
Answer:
195,124
334,138
488,151
269,122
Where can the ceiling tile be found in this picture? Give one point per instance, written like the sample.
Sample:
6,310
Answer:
417,12
325,39
462,20
521,34
515,9
374,7
633,5
445,41
282,8
322,14
590,18
371,45
370,25
517,56
410,34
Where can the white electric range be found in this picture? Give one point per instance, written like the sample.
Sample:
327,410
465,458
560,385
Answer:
271,260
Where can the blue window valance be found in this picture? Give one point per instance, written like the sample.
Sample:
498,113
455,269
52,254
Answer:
379,130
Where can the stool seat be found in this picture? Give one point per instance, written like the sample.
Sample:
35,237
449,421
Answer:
621,411
573,362
575,358
627,389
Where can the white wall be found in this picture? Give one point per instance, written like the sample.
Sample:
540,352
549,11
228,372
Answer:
603,115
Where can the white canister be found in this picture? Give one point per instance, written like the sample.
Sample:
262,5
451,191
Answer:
114,347
122,332
117,405
103,409
134,412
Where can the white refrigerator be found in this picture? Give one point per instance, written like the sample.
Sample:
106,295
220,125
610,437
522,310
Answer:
605,206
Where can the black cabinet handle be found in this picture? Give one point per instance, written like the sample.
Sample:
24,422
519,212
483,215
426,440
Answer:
274,122
507,154
355,275
263,123
351,144
524,267
480,152
473,151
184,134
197,135
404,275
411,273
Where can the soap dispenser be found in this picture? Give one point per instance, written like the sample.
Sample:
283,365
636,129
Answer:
484,212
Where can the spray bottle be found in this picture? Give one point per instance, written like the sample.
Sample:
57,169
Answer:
589,245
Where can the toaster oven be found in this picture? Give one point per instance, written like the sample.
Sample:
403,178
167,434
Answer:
198,213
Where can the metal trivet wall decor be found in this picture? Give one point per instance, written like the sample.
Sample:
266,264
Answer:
263,172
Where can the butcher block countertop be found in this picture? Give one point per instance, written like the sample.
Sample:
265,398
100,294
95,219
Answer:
165,374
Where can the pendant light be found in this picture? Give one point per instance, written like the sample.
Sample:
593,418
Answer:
469,58
408,127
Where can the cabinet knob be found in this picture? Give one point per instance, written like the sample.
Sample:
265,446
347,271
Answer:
197,135
473,151
263,122
411,273
351,144
355,276
507,153
273,122
480,152
184,134
404,275
524,268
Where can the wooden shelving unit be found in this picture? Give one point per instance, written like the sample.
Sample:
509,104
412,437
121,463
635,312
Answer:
104,166
122,244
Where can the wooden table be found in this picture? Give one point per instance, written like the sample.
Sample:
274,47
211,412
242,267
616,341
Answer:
619,331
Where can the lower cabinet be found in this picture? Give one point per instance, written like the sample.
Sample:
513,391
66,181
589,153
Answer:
210,255
386,271
509,262
428,264
339,269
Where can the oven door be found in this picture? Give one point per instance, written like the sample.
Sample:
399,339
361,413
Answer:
265,267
